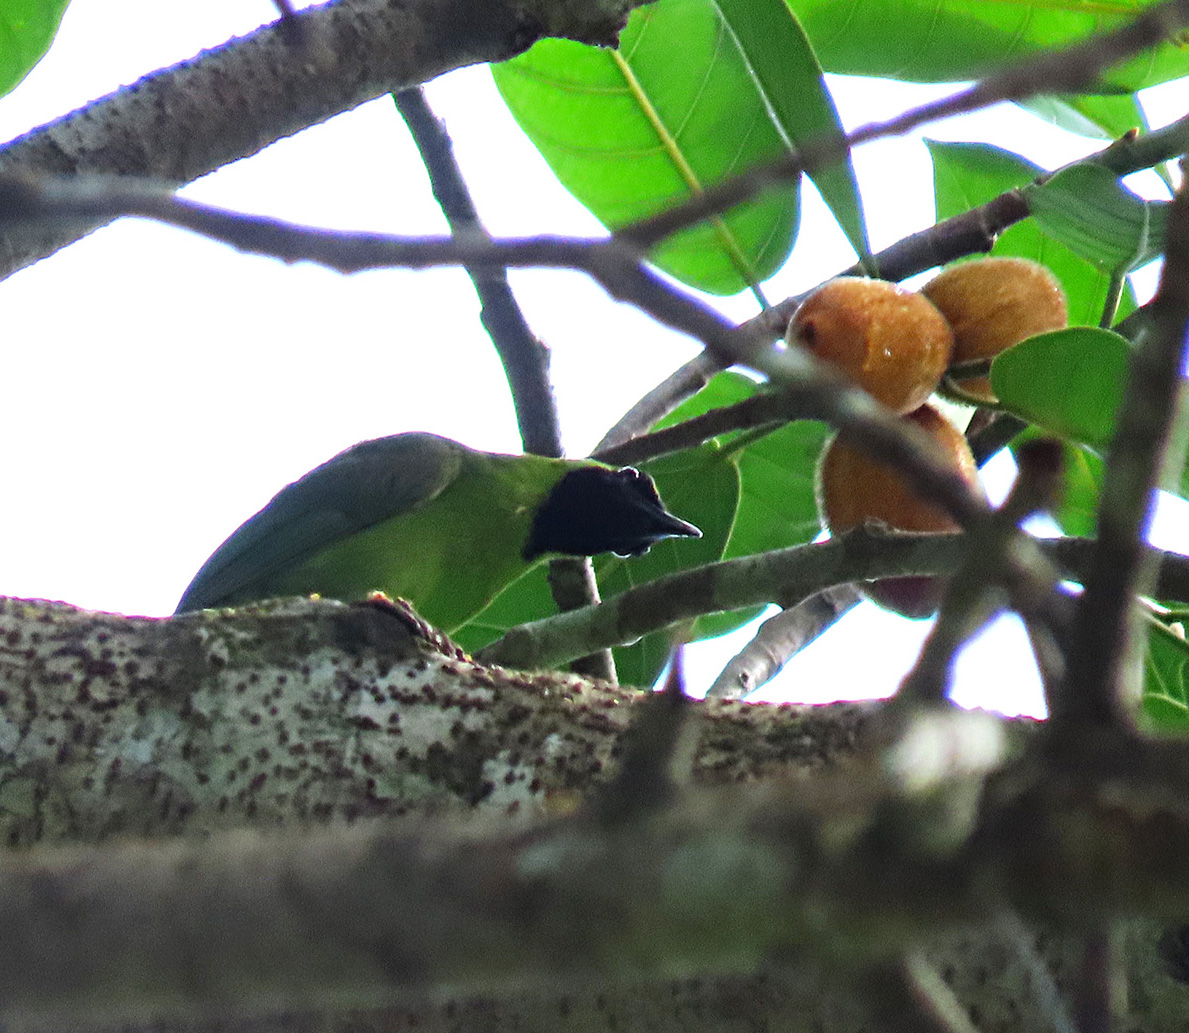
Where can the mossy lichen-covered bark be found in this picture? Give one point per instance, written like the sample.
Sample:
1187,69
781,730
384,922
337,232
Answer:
283,716
141,761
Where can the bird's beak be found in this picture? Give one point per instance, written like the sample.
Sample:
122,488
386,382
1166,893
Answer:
662,525
674,527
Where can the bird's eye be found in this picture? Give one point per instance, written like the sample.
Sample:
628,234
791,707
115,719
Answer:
641,482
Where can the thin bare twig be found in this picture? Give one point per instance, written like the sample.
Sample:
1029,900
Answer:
992,432
291,26
684,382
1044,988
572,584
820,390
758,411
911,997
780,638
524,358
1099,992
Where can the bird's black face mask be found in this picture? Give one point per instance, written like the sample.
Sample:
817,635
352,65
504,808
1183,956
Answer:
595,510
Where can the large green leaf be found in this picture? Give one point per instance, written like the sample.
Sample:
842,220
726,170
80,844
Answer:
777,507
951,40
787,72
966,175
1070,382
1087,208
634,131
27,28
703,485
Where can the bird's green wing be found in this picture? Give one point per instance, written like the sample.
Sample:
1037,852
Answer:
358,488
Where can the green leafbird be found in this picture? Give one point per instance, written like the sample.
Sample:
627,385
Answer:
432,521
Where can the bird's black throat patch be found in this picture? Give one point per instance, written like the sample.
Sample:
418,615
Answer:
594,509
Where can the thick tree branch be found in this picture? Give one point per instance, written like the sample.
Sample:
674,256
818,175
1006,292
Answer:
709,882
861,861
304,712
1104,650
227,103
295,714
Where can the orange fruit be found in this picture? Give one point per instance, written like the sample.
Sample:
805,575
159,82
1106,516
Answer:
992,304
891,342
852,489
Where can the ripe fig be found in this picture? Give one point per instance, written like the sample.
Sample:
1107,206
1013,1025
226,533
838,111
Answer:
992,304
852,488
891,342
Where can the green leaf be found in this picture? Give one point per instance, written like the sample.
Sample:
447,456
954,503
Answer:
722,390
966,175
1106,117
1165,699
1070,382
703,485
27,28
927,41
1084,473
635,131
1087,208
777,506
787,72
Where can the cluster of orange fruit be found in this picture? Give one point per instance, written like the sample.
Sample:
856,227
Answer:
897,345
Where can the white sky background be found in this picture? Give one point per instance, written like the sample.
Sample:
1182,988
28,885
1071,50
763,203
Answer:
158,389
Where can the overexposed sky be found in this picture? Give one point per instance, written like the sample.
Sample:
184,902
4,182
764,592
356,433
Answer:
160,388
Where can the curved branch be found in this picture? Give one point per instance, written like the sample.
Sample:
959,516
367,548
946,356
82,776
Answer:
820,390
785,576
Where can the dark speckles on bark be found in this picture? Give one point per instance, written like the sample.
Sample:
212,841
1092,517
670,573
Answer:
266,725
460,770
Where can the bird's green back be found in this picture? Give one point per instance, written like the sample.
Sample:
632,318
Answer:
413,515
450,558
